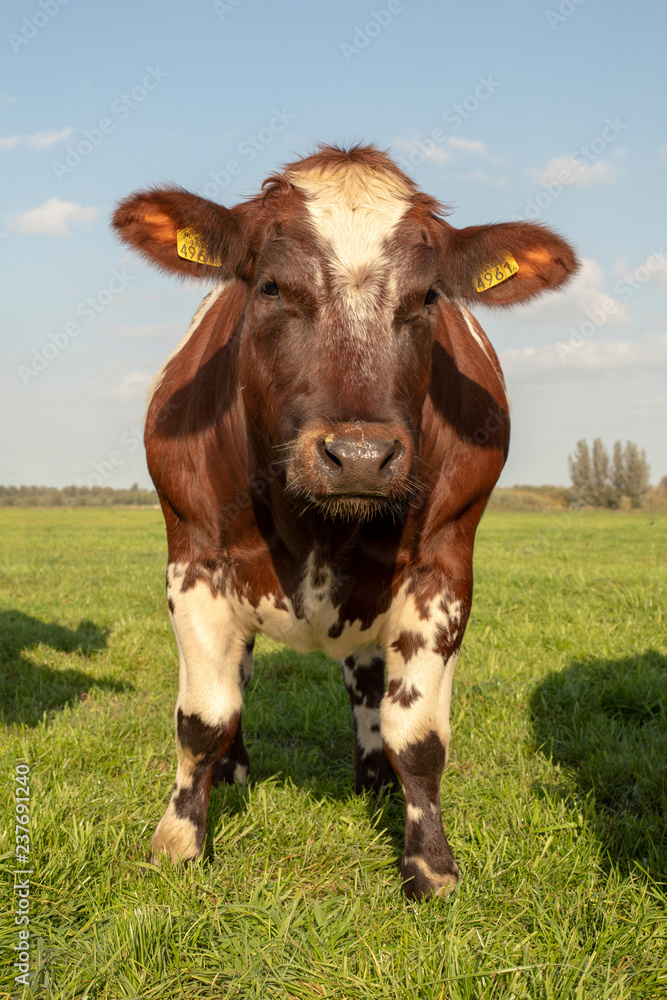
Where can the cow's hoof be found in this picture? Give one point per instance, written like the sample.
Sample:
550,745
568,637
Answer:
421,881
376,775
176,838
229,772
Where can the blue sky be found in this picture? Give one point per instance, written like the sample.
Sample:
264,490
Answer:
548,110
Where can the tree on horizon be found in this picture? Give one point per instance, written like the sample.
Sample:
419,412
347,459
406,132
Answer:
598,481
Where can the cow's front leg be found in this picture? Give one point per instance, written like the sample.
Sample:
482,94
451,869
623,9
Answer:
234,765
415,729
211,647
363,676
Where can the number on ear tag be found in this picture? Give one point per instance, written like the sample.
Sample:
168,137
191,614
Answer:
190,247
493,274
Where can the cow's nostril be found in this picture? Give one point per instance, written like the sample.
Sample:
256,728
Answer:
358,464
330,455
388,459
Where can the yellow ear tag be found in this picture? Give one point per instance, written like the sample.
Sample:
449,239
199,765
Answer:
190,247
493,274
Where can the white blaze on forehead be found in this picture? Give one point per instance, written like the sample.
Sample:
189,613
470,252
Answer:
354,210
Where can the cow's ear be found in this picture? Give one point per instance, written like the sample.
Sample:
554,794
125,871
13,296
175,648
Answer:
181,232
505,263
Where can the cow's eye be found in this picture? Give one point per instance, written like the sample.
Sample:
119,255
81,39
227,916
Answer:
270,288
431,296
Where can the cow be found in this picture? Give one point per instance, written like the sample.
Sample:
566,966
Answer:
323,443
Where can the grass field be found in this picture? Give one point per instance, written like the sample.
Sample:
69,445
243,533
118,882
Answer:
554,801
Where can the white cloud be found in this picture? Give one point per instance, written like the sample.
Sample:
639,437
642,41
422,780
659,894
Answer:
653,268
660,274
566,171
438,156
591,358
39,140
424,145
52,218
483,178
134,385
583,296
436,153
647,405
467,145
6,99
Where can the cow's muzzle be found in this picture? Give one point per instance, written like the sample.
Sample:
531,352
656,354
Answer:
359,464
355,469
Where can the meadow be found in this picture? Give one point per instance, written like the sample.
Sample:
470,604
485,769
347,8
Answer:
554,800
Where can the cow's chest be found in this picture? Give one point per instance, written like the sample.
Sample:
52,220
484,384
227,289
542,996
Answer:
313,619
221,608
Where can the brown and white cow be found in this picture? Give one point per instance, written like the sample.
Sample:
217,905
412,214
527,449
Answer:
323,443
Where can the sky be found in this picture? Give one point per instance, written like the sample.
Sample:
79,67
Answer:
552,110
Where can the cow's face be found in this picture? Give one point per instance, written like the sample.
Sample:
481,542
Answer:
344,264
337,337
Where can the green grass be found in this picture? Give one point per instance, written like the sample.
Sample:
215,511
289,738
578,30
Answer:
554,801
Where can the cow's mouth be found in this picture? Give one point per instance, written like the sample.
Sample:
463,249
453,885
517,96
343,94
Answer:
356,508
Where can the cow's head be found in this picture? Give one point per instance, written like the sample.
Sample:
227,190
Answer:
344,262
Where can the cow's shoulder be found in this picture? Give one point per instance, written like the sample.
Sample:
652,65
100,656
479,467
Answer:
200,351
194,410
461,335
465,420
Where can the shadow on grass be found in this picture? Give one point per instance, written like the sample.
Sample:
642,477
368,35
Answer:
297,727
606,720
28,690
